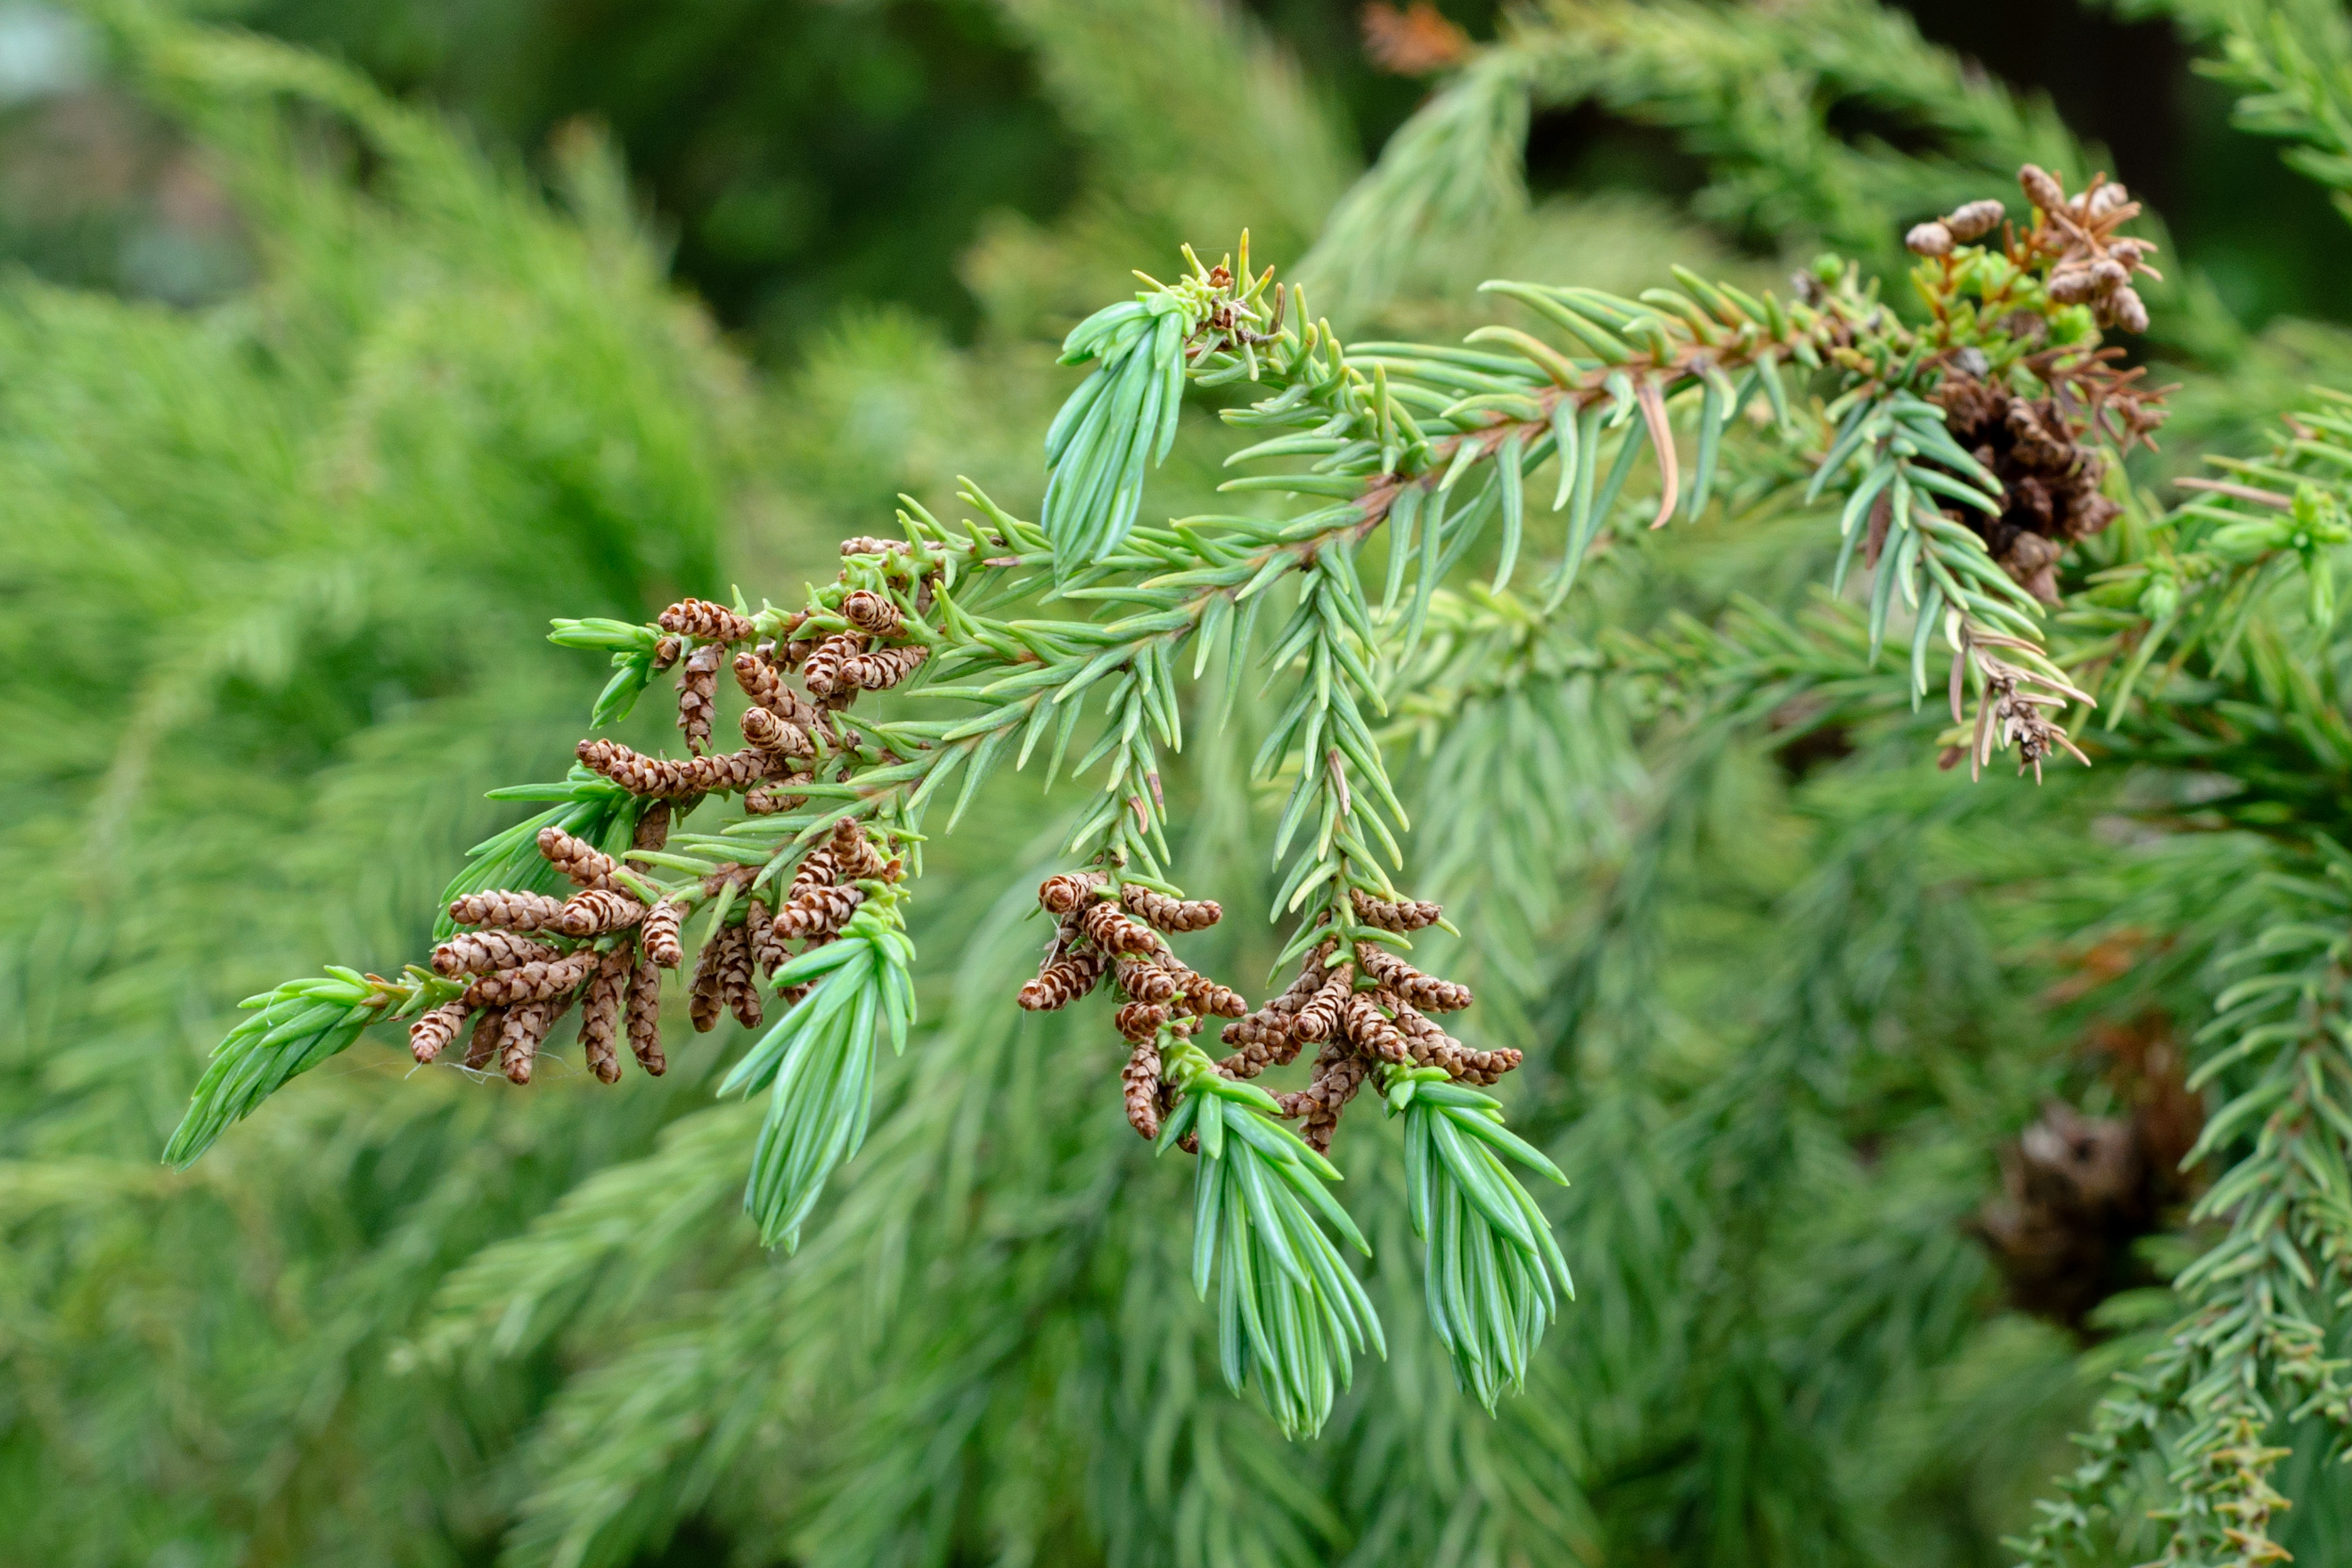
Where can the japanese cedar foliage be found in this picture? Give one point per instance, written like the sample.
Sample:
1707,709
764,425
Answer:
1776,1019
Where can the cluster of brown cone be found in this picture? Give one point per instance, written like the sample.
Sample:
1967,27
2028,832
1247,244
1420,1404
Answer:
1359,1012
785,729
521,980
1117,932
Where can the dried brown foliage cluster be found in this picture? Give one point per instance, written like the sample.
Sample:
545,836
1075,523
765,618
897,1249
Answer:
534,956
1360,1012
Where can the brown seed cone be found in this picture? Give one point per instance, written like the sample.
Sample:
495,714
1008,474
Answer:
738,987
660,934
819,910
761,682
598,910
600,1012
1069,891
1113,932
1432,1047
1369,1029
532,981
519,1040
431,1034
479,951
881,669
1063,981
1338,1074
643,1016
653,827
2041,190
698,695
510,910
768,950
1407,915
778,739
855,856
1426,992
1145,982
822,672
1207,997
872,614
704,1003
482,1049
667,778
816,870
1171,915
666,650
1976,219
1933,238
706,622
1319,1019
1139,1020
769,799
1140,1080
583,862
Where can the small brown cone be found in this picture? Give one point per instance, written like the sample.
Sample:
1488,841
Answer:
1112,932
872,614
597,912
738,985
703,1005
431,1034
820,911
1069,891
480,951
510,910
1139,1082
519,1041
643,1016
660,934
1062,982
706,622
582,862
1175,915
600,1014
698,695
482,1049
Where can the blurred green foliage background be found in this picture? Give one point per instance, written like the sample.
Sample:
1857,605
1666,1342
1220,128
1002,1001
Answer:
343,345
